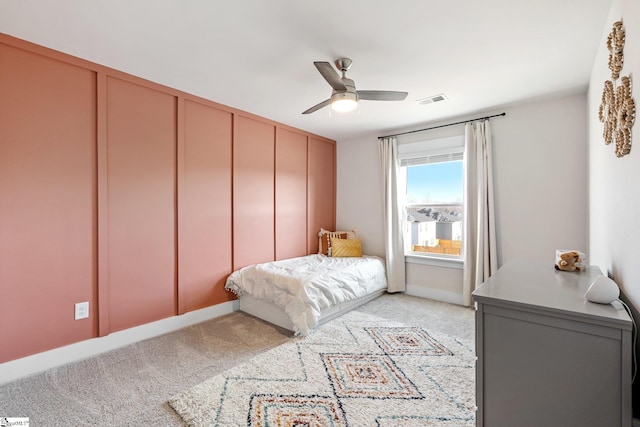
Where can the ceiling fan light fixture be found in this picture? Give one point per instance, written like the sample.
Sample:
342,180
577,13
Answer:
343,102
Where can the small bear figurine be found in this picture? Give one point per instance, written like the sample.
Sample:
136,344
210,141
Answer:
569,261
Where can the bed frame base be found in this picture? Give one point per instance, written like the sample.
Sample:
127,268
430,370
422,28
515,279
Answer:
275,315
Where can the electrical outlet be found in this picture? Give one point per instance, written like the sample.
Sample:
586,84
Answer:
82,310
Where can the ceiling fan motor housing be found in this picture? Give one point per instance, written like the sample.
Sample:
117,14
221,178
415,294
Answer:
345,100
350,87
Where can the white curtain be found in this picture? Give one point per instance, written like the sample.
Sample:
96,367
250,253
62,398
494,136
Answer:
480,255
393,210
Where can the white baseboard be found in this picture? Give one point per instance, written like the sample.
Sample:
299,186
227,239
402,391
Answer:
435,294
30,365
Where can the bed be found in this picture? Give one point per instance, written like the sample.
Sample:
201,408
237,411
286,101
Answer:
301,293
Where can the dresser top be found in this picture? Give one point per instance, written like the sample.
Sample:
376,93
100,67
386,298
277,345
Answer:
539,285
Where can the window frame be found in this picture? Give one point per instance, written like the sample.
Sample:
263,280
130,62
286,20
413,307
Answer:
420,153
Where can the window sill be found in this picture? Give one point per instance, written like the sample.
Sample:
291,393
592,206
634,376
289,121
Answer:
434,261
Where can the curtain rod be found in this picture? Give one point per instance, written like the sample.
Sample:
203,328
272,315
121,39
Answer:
442,126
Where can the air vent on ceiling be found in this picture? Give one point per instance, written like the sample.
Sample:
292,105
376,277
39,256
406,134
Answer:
431,99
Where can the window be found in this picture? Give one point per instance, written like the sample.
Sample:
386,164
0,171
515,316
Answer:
433,177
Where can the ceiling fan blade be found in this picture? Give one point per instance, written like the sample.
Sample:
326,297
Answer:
330,75
382,95
317,106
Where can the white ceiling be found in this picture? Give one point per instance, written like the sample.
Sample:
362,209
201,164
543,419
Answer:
257,55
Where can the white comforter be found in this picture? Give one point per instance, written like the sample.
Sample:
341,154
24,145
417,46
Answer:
304,286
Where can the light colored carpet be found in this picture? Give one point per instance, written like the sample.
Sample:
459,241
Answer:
131,386
358,370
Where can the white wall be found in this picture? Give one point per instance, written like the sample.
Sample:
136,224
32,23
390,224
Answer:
359,192
614,194
540,179
614,204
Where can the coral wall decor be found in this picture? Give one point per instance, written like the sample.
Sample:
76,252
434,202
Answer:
617,109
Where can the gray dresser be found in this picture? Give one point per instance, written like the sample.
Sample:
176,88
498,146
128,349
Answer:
547,357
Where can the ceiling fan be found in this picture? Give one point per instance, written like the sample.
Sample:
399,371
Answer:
344,96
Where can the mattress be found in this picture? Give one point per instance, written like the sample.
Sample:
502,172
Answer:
300,293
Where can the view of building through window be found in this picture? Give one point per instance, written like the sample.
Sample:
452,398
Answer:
434,208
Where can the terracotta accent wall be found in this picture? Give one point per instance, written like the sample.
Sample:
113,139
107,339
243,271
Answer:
136,197
47,202
141,163
291,194
253,192
204,197
321,185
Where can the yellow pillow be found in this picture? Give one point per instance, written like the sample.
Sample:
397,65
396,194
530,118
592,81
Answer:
346,247
324,242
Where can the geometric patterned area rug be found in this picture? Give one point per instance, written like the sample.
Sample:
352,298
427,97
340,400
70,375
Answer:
357,370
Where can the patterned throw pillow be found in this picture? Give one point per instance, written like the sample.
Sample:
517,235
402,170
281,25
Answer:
346,247
324,244
325,241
